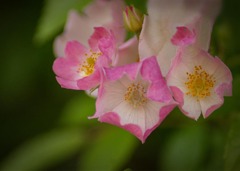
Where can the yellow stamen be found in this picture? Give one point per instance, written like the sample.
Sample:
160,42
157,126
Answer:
135,95
87,67
199,83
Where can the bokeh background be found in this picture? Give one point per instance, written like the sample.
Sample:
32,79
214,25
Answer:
44,127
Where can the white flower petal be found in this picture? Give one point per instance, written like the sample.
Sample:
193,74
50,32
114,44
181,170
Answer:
165,57
210,103
152,110
191,107
145,117
130,115
112,96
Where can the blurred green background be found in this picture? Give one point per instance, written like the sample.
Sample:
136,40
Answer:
44,127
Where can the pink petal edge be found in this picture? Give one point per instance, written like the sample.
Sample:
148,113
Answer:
68,84
183,37
113,118
158,89
178,96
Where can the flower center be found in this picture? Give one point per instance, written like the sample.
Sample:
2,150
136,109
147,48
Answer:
87,67
135,95
199,83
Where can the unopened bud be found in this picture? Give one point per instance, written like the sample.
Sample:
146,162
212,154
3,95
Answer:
133,19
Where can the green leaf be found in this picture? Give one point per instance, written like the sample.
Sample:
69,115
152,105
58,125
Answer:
54,16
78,110
232,155
110,151
184,150
44,151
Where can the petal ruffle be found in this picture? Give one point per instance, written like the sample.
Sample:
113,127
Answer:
108,14
103,40
158,89
183,37
66,69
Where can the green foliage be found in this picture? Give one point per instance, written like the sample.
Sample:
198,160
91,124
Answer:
45,151
54,16
232,151
78,110
232,155
109,151
184,150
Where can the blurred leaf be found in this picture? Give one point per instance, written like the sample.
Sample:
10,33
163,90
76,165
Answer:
54,16
110,151
234,62
44,151
185,150
214,157
78,110
232,155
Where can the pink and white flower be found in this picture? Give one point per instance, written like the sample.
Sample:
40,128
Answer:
163,18
100,13
198,80
134,97
80,68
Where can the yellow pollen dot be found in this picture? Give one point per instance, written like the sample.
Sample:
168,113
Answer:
199,83
135,95
87,67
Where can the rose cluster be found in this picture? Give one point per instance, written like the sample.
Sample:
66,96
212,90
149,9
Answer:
138,82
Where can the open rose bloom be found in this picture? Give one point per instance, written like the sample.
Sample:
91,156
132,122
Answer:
139,81
134,97
79,68
199,81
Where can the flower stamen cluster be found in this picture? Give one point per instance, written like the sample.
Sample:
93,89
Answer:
136,95
199,83
87,67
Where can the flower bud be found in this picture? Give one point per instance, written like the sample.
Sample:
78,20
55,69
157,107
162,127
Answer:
133,19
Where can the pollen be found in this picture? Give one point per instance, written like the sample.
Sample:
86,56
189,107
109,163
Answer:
86,68
135,95
199,83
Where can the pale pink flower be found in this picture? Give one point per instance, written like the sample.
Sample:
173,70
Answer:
127,53
134,97
100,13
80,68
198,80
160,25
